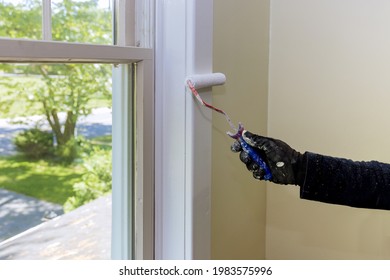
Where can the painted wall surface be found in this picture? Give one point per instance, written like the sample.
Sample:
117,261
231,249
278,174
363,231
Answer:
241,32
330,94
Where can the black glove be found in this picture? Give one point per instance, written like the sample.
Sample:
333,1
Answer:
285,164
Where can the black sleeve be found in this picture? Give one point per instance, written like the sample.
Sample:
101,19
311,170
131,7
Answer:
346,182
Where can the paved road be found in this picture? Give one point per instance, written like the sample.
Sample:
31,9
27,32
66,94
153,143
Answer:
83,234
96,124
19,213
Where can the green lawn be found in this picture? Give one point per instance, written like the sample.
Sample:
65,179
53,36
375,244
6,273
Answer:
41,179
104,141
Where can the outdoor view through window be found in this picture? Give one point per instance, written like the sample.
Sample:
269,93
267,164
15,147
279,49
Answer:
55,138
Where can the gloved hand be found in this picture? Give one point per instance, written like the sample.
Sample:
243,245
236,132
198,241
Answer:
285,163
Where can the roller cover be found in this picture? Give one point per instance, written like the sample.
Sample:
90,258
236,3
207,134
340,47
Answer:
206,80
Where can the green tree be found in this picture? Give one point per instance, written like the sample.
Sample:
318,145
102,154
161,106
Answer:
70,92
53,89
21,20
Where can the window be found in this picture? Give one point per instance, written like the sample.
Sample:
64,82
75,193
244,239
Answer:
132,104
55,157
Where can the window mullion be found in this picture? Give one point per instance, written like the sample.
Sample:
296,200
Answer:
46,20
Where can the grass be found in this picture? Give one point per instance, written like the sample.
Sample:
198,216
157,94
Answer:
44,179
104,141
41,179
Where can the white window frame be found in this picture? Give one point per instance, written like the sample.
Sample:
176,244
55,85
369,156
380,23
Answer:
183,130
133,119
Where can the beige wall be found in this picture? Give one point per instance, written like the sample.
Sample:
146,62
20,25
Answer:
238,201
329,93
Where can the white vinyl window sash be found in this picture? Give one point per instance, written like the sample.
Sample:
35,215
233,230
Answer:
133,131
133,113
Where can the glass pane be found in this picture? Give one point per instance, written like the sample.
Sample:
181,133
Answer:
83,21
55,161
21,19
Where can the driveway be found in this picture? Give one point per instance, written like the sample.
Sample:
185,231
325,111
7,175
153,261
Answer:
83,234
18,213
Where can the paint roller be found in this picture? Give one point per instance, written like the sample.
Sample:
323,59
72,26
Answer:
206,80
196,82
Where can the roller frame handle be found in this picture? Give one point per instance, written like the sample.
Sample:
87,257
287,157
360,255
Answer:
253,154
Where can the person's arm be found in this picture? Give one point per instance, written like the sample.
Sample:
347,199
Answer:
321,178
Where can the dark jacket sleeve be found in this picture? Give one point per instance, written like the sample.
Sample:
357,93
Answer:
346,182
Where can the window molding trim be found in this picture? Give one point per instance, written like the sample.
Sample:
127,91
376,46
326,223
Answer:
183,130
